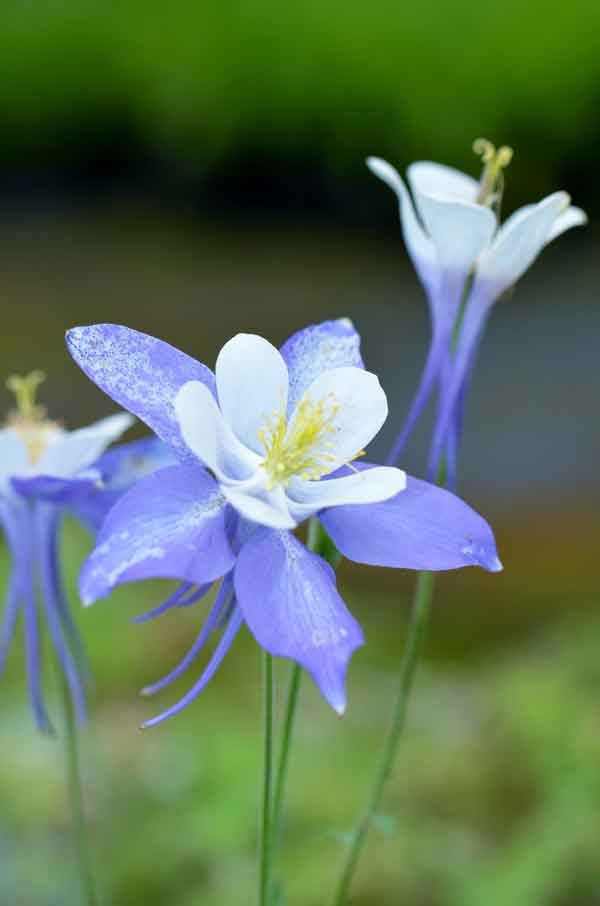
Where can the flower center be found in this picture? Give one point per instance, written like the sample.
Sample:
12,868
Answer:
300,448
495,162
28,420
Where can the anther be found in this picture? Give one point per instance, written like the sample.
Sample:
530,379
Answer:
495,161
25,390
28,420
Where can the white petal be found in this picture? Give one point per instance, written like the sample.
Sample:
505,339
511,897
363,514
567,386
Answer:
268,508
362,410
367,486
208,435
71,451
459,230
518,243
570,218
13,456
419,245
428,178
252,383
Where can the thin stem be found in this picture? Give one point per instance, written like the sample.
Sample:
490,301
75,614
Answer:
410,659
266,833
284,751
73,775
419,616
318,542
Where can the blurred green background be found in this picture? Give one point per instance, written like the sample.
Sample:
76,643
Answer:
197,170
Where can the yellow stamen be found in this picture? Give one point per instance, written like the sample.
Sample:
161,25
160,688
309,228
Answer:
25,391
300,448
492,180
29,419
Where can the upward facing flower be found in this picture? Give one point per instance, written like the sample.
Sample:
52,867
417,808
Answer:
267,441
45,470
452,231
269,449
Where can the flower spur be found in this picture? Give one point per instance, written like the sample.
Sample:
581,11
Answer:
46,471
466,260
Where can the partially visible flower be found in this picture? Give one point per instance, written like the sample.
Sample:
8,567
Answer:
118,470
44,471
266,442
452,232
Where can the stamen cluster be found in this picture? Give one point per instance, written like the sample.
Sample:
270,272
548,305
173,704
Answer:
29,420
299,449
492,180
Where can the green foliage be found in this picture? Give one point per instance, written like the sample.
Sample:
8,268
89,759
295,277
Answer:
495,801
201,82
386,825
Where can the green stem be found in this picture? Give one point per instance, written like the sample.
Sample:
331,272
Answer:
410,659
318,542
75,791
419,618
284,751
266,833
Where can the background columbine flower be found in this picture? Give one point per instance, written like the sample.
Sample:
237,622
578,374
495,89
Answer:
452,231
263,444
45,470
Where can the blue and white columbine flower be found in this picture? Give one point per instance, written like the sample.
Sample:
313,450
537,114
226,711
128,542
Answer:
462,254
265,442
45,471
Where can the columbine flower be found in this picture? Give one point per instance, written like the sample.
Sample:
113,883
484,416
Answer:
267,441
45,470
452,231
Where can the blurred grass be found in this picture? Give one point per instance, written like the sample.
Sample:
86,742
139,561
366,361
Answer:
496,798
197,87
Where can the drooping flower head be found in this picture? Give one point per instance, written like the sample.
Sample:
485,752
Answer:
44,471
267,441
465,260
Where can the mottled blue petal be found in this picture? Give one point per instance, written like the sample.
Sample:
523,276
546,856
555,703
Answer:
313,350
171,524
423,527
290,602
141,373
